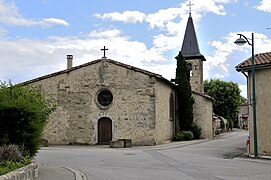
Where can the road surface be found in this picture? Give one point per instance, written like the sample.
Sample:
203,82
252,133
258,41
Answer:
216,159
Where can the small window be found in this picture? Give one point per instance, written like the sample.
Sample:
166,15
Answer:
105,97
189,69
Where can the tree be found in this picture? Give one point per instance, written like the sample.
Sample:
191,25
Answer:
227,98
184,94
23,115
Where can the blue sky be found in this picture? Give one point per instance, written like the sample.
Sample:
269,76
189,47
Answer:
36,35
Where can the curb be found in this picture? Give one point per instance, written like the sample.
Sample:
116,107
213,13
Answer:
177,144
262,160
78,174
29,172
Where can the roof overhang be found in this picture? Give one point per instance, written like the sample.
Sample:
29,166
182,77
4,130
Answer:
198,56
249,68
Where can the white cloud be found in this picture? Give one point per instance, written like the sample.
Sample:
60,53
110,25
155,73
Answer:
126,16
54,21
243,88
105,34
166,43
218,60
41,57
3,32
162,17
217,64
9,14
169,21
264,5
166,70
214,6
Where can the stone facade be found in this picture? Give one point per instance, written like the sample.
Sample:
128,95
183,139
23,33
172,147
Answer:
263,102
203,114
165,124
140,109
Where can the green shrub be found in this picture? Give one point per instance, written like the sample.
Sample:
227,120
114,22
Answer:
10,153
23,115
196,130
188,135
9,166
179,137
184,135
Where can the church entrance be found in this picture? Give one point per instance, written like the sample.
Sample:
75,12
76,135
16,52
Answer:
104,130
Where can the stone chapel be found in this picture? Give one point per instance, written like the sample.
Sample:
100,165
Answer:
105,100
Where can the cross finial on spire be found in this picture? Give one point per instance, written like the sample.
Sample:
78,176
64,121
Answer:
190,4
104,52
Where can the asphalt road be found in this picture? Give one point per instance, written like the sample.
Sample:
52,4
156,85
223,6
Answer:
220,158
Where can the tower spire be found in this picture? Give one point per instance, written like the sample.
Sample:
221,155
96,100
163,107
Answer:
190,46
191,53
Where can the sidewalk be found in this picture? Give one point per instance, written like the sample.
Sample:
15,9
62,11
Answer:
48,172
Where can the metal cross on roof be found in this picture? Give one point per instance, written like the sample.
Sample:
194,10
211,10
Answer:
190,4
104,52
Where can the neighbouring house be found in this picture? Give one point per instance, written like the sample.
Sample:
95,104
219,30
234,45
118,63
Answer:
263,100
243,116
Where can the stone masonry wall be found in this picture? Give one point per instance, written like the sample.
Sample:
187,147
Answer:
164,124
196,78
203,115
75,121
29,172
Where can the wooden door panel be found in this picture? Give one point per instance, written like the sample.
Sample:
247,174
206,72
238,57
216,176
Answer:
104,131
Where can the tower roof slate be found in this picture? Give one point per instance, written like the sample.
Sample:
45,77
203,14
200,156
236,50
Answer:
190,47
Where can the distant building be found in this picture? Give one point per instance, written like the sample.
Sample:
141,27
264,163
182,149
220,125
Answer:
243,116
263,100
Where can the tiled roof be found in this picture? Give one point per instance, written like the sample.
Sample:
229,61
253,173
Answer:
262,60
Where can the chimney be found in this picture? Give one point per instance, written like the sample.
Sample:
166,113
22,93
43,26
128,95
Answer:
69,61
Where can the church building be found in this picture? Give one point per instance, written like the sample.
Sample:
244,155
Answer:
105,100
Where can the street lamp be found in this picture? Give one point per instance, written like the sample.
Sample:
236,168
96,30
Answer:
241,41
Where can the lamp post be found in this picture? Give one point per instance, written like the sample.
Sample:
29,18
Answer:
241,41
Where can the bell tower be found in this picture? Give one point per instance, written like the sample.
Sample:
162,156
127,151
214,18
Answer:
191,53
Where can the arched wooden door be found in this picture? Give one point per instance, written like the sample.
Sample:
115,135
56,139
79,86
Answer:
104,130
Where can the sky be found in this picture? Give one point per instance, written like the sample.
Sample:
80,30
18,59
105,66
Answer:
36,35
